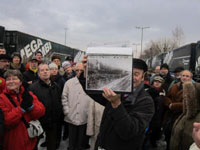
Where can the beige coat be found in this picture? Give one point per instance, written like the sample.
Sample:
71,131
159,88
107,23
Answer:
95,113
75,102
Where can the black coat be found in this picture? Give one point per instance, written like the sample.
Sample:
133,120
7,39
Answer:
50,96
59,80
30,76
123,128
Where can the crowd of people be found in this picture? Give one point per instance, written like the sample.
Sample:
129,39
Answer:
164,107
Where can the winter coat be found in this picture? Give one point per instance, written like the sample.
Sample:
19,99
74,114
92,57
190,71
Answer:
59,80
174,97
167,81
75,102
123,128
1,129
158,98
181,137
30,76
95,112
50,96
15,133
21,67
2,84
1,123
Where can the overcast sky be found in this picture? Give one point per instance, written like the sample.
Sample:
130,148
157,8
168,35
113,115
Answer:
98,22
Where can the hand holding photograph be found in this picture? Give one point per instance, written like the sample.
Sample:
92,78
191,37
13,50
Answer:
109,67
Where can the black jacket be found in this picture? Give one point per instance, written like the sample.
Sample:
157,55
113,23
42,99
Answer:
50,96
30,76
123,128
60,81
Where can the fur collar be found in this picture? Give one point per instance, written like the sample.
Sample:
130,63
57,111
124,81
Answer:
191,96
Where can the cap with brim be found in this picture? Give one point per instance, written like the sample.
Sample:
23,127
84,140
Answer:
158,78
5,56
140,64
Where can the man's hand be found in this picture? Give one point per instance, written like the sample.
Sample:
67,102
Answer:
84,62
196,133
112,97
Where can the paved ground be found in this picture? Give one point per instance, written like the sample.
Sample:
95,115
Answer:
63,145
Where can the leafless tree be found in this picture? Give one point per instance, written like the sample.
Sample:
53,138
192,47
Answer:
156,47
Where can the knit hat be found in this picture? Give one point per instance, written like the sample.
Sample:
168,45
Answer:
158,78
66,64
164,66
53,65
140,64
5,56
16,54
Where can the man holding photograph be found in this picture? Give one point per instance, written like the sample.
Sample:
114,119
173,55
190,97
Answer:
126,116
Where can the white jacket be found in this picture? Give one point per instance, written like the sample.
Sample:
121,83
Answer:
75,102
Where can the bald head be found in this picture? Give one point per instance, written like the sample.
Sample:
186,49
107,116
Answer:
79,69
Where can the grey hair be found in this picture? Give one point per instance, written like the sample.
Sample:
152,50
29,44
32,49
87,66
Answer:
11,72
191,74
42,65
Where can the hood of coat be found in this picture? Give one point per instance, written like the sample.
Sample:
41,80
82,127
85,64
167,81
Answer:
191,96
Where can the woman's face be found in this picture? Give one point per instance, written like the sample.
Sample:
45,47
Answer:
16,60
13,83
157,84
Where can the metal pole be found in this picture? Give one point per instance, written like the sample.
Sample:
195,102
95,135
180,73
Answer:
142,28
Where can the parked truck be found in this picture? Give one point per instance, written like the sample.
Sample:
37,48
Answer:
27,45
187,56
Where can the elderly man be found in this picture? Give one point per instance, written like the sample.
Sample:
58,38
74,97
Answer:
50,95
127,116
174,102
75,104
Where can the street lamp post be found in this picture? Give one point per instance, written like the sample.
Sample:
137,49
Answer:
136,44
142,28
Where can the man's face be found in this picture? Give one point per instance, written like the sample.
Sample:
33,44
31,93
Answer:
186,76
138,77
164,71
44,72
157,70
2,51
34,64
38,56
79,70
4,64
56,61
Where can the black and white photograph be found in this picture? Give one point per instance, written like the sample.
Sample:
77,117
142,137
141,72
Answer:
109,68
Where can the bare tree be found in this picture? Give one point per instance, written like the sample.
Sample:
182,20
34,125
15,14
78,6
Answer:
156,47
178,35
